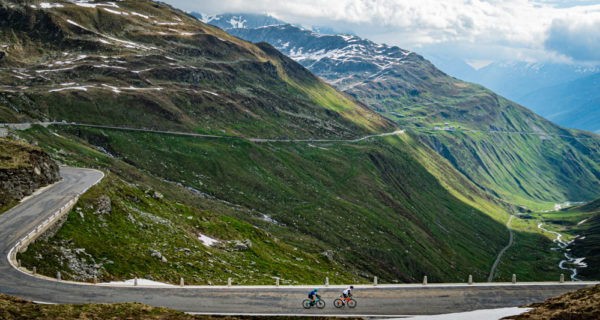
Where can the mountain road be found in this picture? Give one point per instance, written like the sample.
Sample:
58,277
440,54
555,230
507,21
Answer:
380,300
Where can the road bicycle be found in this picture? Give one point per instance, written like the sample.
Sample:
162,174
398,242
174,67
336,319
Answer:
318,303
344,301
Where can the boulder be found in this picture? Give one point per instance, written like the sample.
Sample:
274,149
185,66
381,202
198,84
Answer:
157,195
329,254
239,245
156,254
103,205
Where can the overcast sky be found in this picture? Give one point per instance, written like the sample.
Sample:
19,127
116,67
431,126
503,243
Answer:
477,31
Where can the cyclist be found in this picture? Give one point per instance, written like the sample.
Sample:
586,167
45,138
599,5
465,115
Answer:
312,295
347,293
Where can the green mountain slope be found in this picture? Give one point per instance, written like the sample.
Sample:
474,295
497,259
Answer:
371,203
116,227
502,147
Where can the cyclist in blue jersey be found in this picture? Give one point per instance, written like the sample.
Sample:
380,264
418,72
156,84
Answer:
312,295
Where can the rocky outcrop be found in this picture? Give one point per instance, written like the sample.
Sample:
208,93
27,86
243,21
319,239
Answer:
103,205
23,169
156,254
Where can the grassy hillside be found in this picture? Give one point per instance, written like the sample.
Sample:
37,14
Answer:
370,207
15,154
578,227
115,227
145,64
502,147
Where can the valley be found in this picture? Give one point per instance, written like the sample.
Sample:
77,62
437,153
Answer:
503,148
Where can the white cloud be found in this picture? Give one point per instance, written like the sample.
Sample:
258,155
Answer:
579,39
519,26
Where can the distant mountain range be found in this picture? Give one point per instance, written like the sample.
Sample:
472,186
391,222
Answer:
574,104
559,92
231,20
552,90
529,84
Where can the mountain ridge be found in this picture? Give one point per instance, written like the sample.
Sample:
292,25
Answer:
199,55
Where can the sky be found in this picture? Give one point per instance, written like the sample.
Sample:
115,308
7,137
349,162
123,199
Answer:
477,31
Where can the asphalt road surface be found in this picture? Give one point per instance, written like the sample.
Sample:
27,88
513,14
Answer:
383,300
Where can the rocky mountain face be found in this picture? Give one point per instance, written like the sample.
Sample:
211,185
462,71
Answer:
581,304
343,60
23,169
504,148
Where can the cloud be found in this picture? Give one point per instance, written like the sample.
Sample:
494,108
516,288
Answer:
579,40
519,26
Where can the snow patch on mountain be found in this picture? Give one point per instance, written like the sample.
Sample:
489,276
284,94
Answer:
93,4
207,18
46,5
237,22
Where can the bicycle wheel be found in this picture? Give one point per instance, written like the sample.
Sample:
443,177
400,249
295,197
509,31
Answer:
351,303
320,304
306,304
338,303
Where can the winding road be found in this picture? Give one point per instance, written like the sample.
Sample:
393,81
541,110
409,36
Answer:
510,242
382,300
25,126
